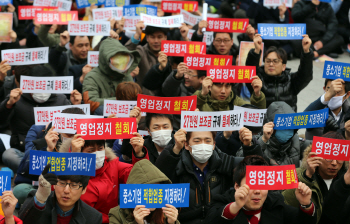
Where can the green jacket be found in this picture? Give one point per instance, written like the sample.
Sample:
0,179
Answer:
207,103
46,38
101,82
143,172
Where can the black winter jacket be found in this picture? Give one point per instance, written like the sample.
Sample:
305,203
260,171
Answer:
285,87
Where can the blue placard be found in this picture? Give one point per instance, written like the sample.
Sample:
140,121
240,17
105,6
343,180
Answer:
154,195
5,2
116,3
136,10
336,70
87,3
62,163
311,119
270,31
5,181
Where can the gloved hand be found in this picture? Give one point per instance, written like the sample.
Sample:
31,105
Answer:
45,182
331,125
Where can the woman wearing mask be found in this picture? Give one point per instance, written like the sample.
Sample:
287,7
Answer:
145,172
103,189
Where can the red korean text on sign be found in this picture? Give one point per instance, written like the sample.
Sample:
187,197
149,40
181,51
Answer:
28,12
227,25
231,74
60,18
106,128
166,105
176,6
271,177
180,48
200,62
329,148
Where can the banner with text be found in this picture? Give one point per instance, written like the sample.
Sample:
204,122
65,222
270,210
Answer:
253,117
329,148
231,74
244,48
227,25
136,10
189,18
165,22
26,56
62,5
28,12
276,3
5,181
103,14
130,23
87,3
270,31
180,48
336,70
121,108
89,28
116,3
5,2
271,177
177,6
311,119
5,27
201,62
66,123
93,58
59,18
61,84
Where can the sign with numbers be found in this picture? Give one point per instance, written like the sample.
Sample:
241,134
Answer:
121,108
282,31
336,70
253,117
201,62
329,148
89,28
61,84
180,48
231,74
93,58
165,21
26,56
103,14
189,18
227,25
66,123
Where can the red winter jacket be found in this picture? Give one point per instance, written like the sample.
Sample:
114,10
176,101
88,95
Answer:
17,220
103,189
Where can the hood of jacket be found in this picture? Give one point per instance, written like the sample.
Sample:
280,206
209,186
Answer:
110,47
144,172
278,107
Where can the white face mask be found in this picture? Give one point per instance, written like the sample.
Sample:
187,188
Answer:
202,152
41,97
336,102
64,139
100,158
161,138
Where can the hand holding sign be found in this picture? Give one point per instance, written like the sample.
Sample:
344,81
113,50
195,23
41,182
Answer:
181,70
282,9
313,161
64,38
75,97
86,69
245,135
77,143
250,32
318,45
51,139
257,43
13,36
268,131
306,42
206,85
136,113
241,197
4,67
10,8
163,60
140,212
202,24
45,182
139,27
180,139
335,88
171,213
8,203
137,143
257,85
15,96
347,130
303,194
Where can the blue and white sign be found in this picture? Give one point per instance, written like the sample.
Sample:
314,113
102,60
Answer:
311,119
5,2
136,10
154,195
5,181
62,163
116,3
88,3
336,70
270,31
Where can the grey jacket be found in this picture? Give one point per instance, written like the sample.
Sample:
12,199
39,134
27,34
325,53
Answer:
175,87
82,214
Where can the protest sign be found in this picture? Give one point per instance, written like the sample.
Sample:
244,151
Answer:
5,181
231,120
141,132
93,58
66,123
281,31
329,148
231,74
311,119
5,2
190,33
121,108
271,177
276,3
253,117
116,3
166,105
103,14
136,10
200,62
208,37
44,115
180,48
154,195
62,5
59,18
165,22
106,128
5,27
189,18
28,12
88,3
61,84
130,23
26,56
336,70
227,25
177,6
89,28
244,48
62,163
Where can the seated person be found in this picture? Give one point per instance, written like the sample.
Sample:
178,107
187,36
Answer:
320,175
63,205
144,172
242,205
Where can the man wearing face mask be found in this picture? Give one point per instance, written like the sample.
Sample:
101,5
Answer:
18,109
280,147
335,98
195,159
115,63
160,127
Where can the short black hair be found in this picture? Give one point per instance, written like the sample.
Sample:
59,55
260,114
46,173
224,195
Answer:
73,110
151,30
94,142
231,34
84,180
240,171
347,84
22,70
201,73
281,53
41,71
176,60
149,117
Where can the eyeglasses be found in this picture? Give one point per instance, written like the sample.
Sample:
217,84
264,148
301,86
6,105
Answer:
274,61
338,161
219,41
190,75
73,186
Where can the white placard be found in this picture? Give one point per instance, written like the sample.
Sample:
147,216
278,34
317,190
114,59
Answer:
89,28
51,84
253,117
26,56
44,115
165,22
190,33
210,15
66,123
208,37
276,3
121,108
93,58
103,14
63,5
231,120
130,23
189,18
141,132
